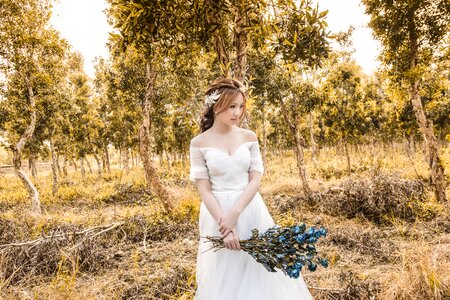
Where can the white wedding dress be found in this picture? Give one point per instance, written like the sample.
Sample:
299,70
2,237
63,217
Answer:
229,274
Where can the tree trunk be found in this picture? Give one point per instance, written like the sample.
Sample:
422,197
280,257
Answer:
32,165
83,172
133,163
168,160
99,165
153,180
57,164
64,167
301,162
125,160
120,158
299,142
108,164
220,47
74,164
160,160
54,168
240,41
313,141
103,162
17,151
264,136
426,128
31,189
89,165
138,163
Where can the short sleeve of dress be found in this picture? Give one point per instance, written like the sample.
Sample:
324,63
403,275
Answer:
256,163
198,165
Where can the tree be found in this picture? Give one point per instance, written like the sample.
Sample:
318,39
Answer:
410,32
28,48
300,39
148,28
344,108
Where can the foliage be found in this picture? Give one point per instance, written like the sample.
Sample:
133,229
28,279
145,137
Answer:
403,25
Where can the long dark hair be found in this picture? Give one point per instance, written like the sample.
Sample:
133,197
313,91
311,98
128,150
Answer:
228,89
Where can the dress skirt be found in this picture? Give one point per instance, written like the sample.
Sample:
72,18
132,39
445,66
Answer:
235,275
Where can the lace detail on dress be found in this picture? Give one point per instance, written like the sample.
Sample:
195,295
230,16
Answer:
198,165
256,163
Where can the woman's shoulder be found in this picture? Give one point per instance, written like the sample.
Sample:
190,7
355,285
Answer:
197,140
249,135
200,140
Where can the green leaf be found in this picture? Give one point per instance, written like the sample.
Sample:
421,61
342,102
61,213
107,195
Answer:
286,42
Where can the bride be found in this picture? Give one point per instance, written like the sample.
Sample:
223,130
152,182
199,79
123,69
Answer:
227,167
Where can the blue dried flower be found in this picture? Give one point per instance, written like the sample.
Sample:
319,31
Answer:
312,267
287,248
293,273
300,238
302,226
298,266
312,240
310,231
310,248
309,256
323,262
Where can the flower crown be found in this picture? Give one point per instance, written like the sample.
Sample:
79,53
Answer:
212,98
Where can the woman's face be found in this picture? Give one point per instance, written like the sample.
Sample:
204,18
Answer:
233,112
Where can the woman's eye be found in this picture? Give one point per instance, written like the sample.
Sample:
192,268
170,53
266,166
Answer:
232,106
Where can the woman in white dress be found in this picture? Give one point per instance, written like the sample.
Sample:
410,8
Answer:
227,167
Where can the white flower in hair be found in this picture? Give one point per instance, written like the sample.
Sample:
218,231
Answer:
212,98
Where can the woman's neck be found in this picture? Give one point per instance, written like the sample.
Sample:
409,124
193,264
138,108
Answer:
221,128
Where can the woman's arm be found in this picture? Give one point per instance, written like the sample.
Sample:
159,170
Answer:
231,241
207,197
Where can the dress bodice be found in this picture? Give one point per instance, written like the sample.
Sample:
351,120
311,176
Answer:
226,172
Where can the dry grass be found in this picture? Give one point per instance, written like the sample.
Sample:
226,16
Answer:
376,198
423,273
387,238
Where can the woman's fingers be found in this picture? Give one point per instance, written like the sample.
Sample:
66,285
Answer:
223,229
236,242
236,239
232,242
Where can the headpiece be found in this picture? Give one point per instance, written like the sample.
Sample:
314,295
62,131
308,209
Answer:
212,98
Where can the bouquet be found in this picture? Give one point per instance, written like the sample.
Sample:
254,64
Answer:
286,248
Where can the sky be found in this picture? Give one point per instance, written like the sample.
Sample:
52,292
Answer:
83,23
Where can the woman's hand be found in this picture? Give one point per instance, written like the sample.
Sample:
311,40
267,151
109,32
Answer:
231,241
228,222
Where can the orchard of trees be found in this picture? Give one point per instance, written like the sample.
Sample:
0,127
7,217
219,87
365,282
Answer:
146,97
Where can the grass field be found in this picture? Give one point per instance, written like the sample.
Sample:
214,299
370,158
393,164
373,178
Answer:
108,238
